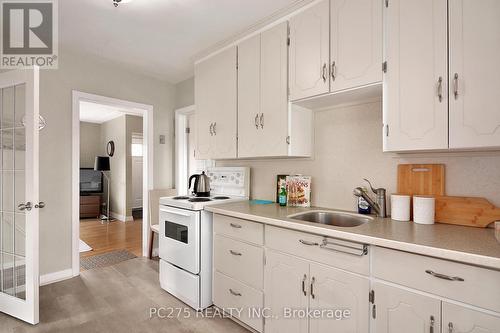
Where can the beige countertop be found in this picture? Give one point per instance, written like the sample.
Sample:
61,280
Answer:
470,245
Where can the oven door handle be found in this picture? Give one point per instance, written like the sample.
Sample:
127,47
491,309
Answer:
175,212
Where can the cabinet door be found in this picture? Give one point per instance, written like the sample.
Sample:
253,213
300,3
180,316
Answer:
457,319
415,117
309,52
474,73
332,289
286,281
203,76
274,92
356,43
249,111
398,310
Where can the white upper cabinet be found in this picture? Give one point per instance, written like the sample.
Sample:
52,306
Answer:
356,43
249,110
216,106
309,52
474,73
415,83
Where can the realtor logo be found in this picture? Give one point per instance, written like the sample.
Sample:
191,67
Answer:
29,33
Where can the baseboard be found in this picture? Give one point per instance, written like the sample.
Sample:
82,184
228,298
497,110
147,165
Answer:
56,277
121,218
156,252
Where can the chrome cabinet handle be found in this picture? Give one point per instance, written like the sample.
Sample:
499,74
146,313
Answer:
431,328
308,243
304,285
261,120
324,75
211,129
234,225
455,85
27,206
234,253
215,128
440,89
333,71
312,288
41,204
443,276
234,292
450,327
257,121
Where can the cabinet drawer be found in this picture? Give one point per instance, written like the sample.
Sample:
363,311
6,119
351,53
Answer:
89,199
480,286
296,243
232,294
240,229
239,260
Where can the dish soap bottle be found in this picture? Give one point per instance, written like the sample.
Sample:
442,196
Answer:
282,196
363,206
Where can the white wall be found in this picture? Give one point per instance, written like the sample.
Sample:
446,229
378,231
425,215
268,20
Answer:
348,148
90,143
184,93
91,75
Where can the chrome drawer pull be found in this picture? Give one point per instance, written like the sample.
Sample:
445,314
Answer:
234,292
308,243
443,276
312,288
355,249
304,285
234,225
234,253
324,74
431,329
257,121
455,85
440,89
450,327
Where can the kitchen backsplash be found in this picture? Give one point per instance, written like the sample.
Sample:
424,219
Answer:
348,148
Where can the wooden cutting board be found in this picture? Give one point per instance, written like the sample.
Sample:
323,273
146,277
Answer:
421,179
468,211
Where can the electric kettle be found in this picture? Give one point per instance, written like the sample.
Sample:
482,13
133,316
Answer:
201,185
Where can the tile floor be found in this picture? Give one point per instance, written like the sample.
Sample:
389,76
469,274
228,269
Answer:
113,299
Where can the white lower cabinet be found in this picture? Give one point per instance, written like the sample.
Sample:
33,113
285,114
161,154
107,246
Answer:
457,319
307,297
398,310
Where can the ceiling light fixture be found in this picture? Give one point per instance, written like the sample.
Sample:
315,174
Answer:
119,2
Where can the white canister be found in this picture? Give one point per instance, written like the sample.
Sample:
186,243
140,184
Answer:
424,209
400,207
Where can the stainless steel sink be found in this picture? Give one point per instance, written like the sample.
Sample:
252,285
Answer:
338,219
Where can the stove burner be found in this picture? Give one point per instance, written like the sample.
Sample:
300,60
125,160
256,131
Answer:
199,199
221,198
180,198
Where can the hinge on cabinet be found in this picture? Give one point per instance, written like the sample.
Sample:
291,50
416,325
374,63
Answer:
265,259
384,67
288,35
371,296
386,3
374,311
188,130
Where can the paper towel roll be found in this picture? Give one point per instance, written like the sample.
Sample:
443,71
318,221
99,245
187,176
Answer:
424,209
400,207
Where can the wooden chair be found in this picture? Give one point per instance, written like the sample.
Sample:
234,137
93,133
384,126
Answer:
154,210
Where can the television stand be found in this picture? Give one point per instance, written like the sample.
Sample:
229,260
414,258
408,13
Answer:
90,206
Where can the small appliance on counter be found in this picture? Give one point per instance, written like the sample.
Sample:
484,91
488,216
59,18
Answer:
186,233
201,185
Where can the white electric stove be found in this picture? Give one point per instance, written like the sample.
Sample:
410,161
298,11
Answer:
186,233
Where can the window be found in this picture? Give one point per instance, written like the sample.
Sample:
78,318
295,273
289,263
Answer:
137,145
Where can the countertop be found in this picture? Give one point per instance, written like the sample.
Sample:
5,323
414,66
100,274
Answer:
469,245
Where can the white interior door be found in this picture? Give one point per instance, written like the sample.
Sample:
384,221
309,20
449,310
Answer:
19,275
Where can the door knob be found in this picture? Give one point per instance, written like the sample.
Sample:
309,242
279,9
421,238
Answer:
27,206
40,205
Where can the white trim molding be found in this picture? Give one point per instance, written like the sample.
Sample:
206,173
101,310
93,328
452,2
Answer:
181,154
138,109
121,218
56,277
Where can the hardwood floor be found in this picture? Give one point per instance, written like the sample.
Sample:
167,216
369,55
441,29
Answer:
106,237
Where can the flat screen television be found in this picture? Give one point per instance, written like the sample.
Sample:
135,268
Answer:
90,181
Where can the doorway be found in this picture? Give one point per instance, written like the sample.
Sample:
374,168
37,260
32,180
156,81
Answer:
120,133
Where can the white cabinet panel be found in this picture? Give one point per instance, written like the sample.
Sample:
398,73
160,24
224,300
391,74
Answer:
457,319
398,310
274,92
309,52
338,290
356,43
474,60
249,64
415,117
286,281
215,96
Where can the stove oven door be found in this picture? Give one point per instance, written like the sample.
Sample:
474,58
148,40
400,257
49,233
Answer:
180,238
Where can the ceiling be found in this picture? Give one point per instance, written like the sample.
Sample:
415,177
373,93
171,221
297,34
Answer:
99,113
158,38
